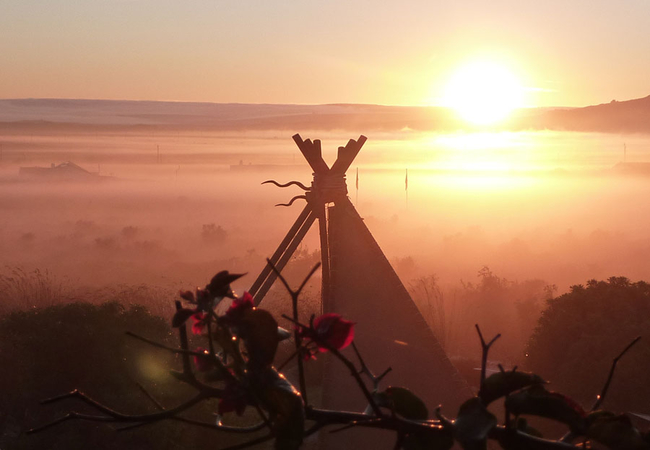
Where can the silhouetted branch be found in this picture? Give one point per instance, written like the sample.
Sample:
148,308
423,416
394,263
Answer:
207,425
296,334
158,405
601,396
347,363
112,415
365,370
287,361
485,349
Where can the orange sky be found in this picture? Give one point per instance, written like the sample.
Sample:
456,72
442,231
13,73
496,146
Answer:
401,53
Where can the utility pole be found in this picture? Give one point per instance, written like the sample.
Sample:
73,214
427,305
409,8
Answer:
406,189
356,200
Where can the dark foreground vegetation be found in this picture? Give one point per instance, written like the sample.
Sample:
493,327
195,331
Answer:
228,394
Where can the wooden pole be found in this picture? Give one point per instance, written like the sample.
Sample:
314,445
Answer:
280,250
286,256
325,256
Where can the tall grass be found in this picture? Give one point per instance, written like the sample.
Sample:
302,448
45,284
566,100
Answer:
20,289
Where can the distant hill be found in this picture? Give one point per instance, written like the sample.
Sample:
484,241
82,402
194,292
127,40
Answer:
624,116
218,116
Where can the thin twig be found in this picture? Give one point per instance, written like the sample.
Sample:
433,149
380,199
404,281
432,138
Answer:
296,334
603,392
570,435
485,349
182,336
114,416
346,362
198,423
179,351
158,405
287,361
309,275
365,370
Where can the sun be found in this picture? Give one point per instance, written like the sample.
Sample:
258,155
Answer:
483,92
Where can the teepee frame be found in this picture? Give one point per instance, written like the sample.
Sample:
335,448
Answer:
328,186
359,283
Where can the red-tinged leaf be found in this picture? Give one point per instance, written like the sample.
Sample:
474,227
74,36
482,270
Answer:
181,317
203,362
199,322
239,305
333,330
259,331
537,401
501,384
473,424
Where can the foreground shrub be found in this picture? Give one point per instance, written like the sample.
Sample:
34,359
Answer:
79,345
580,332
236,372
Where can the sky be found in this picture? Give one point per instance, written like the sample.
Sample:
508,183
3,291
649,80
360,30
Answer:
563,52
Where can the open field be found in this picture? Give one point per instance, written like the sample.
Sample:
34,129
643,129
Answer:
170,211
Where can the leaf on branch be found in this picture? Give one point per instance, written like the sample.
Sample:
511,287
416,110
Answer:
219,285
181,316
615,431
259,331
523,426
403,402
473,424
284,403
240,305
537,401
501,384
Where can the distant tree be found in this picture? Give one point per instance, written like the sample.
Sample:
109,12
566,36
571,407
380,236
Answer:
213,233
499,305
579,333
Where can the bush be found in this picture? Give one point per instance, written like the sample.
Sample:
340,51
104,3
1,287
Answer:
50,351
579,333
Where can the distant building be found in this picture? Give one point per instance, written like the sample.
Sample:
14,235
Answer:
64,171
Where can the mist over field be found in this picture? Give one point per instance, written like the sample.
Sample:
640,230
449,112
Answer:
171,207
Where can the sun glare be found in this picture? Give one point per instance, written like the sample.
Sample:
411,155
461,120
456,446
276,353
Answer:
483,92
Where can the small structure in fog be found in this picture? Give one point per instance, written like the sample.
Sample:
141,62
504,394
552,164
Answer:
64,171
